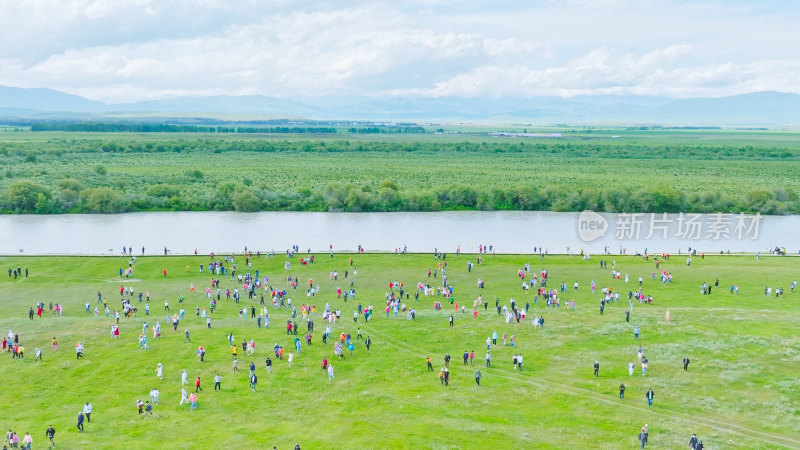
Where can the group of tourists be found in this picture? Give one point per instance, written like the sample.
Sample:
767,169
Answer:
398,299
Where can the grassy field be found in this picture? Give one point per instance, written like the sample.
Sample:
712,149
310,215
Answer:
741,389
706,171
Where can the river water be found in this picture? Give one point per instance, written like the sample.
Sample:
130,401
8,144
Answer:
505,231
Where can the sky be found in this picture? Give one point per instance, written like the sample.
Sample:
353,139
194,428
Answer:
130,50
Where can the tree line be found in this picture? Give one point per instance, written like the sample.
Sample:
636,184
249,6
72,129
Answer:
111,127
27,196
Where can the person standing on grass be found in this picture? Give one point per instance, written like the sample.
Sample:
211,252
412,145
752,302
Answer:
184,397
268,362
51,434
87,411
217,381
330,371
478,377
27,441
184,378
253,382
192,401
596,369
488,359
621,391
685,364
197,387
80,421
650,394
643,437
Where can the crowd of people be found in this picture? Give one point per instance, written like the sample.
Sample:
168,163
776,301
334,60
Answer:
244,279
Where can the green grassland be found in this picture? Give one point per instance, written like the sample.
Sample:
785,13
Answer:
741,389
642,170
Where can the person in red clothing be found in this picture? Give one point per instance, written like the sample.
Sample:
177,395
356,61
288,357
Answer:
39,311
324,363
164,271
197,387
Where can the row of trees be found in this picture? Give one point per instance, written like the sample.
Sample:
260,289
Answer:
26,196
238,139
102,127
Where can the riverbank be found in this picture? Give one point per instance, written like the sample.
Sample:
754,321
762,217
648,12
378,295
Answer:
701,171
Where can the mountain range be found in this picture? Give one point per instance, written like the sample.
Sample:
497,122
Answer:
754,109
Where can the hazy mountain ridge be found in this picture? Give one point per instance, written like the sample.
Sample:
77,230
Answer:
759,108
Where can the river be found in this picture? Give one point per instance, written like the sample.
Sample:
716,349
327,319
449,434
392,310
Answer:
505,231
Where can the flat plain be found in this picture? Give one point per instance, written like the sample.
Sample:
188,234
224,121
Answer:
740,391
614,170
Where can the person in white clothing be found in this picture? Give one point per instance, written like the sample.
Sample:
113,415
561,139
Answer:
330,371
87,411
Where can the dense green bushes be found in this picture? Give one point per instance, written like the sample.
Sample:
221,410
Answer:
83,172
26,196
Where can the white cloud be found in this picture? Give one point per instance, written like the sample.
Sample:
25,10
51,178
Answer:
125,50
602,72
